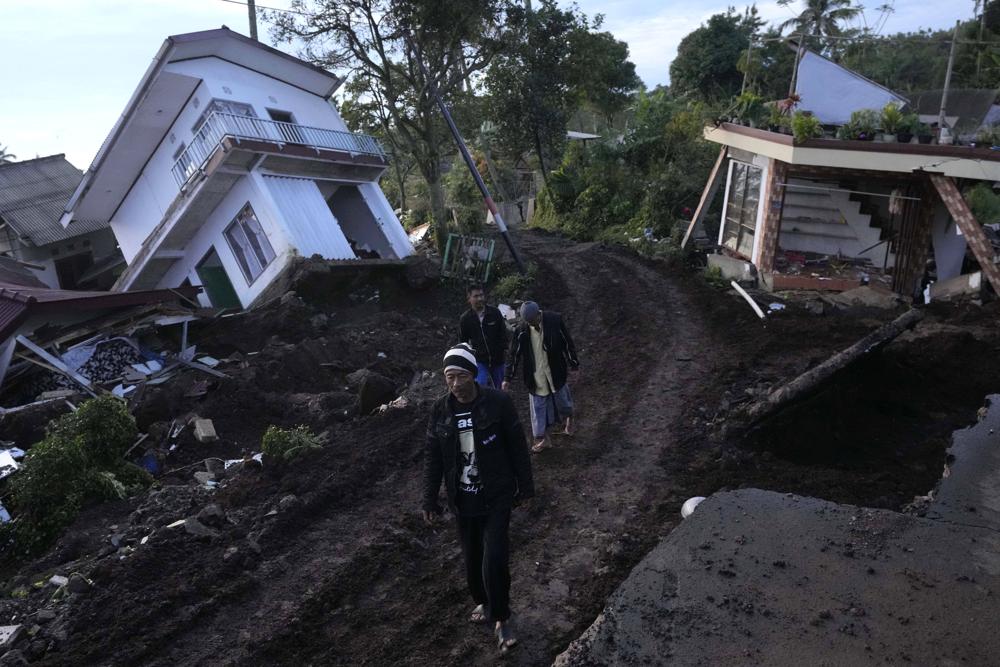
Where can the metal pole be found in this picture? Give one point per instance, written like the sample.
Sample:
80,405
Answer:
501,225
947,79
252,11
746,72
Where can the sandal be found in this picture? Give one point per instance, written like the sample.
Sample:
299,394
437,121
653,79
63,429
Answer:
540,446
505,638
478,614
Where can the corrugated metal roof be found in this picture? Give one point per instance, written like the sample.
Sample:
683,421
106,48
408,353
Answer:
13,273
33,194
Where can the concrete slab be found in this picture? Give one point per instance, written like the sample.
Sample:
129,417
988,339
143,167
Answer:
762,578
970,491
739,270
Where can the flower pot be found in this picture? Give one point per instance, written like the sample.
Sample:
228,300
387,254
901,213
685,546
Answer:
904,137
888,138
925,138
774,128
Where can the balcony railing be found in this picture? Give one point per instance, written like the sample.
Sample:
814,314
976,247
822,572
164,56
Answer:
220,125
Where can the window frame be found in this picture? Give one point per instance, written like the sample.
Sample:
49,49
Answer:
251,247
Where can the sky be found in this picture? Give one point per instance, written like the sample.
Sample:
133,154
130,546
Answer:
68,67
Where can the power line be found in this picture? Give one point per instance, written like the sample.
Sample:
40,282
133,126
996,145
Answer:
273,9
873,38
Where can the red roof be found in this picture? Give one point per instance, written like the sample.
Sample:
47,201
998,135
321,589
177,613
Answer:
18,302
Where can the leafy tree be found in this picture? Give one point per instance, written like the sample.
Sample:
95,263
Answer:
384,42
601,75
706,66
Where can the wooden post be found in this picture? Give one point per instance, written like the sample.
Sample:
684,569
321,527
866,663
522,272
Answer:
707,195
770,229
966,221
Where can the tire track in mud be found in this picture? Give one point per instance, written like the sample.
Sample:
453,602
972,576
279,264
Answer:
600,494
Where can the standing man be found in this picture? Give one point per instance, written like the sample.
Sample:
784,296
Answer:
484,329
476,444
545,346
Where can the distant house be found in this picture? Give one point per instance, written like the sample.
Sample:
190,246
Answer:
32,196
969,109
228,161
832,215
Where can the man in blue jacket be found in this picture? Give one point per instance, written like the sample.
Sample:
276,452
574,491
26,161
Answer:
475,443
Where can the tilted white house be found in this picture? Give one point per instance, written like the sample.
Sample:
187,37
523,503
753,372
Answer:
228,161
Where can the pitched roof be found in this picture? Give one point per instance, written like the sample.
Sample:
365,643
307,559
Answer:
970,105
33,194
19,301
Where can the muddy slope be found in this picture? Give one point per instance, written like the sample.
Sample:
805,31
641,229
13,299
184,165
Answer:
325,561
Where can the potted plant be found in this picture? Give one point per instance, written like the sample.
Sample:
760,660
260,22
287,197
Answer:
925,133
847,132
777,120
988,137
864,122
805,126
908,128
892,119
749,108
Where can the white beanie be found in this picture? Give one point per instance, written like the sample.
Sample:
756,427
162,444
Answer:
461,357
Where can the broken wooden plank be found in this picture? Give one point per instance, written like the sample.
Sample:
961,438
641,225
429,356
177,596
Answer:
55,361
804,384
707,195
970,227
205,369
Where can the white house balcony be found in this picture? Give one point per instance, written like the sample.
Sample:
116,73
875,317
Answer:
232,140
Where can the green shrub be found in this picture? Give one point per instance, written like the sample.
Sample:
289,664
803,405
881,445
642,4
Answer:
892,118
512,287
713,276
77,464
985,203
805,126
284,444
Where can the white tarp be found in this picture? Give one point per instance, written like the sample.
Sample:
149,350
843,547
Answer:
832,92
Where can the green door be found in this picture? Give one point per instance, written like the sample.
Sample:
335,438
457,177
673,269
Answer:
216,282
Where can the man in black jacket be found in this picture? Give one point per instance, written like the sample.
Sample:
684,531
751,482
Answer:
483,328
476,444
543,343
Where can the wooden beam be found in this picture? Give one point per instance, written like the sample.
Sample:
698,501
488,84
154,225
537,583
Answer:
806,383
63,368
707,195
970,227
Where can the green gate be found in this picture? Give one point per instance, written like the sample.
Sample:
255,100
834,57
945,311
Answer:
468,258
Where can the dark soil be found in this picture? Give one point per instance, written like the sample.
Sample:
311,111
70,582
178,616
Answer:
346,573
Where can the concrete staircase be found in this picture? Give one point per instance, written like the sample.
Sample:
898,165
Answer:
821,217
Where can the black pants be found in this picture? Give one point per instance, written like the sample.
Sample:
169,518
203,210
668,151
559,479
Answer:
486,548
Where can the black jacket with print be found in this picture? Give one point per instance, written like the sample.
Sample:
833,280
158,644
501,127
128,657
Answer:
558,346
501,452
487,338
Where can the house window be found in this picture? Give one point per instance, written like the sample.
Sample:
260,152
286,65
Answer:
249,244
740,222
288,130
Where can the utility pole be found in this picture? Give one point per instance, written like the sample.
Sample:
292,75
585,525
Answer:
947,84
252,11
746,70
795,67
470,163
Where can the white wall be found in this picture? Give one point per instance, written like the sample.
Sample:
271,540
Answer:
211,234
311,227
101,244
949,244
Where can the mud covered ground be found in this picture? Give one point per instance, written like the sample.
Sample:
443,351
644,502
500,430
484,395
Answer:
324,561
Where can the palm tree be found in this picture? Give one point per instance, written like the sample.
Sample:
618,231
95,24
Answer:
6,157
821,18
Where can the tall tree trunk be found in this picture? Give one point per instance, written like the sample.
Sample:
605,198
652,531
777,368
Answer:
401,182
431,171
541,158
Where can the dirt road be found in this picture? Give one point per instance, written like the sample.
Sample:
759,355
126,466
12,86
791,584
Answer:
327,563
